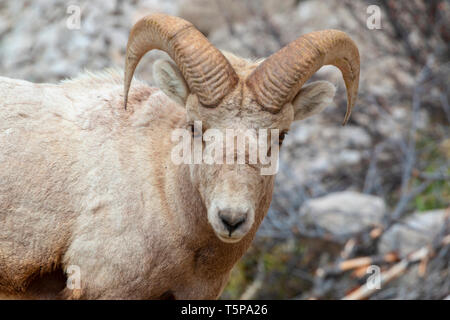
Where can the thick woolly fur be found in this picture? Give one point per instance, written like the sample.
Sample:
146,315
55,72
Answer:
84,182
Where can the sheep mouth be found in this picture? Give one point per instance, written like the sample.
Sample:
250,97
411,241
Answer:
228,239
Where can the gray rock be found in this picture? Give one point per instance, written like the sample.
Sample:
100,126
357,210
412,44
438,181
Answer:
343,213
318,149
209,16
416,231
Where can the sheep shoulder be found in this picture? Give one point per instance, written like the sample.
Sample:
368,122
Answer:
70,157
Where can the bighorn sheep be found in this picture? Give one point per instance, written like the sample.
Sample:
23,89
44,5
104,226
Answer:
87,181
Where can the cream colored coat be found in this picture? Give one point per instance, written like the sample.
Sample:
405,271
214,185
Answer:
85,183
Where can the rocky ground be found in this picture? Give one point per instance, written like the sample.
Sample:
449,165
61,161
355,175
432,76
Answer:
377,188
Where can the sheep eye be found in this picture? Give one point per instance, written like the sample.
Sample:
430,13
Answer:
195,133
191,129
282,136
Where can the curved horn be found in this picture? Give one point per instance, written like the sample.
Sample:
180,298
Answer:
279,78
206,71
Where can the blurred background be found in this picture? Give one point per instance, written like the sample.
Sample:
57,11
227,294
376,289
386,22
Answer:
360,211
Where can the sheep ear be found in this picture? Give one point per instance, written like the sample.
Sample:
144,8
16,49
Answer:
312,99
170,80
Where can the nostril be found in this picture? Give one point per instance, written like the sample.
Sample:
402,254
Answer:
232,223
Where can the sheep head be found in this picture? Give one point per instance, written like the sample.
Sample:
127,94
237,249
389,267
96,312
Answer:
223,92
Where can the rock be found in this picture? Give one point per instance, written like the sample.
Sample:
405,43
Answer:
38,46
200,13
377,70
355,137
416,231
343,213
348,158
320,149
209,16
249,39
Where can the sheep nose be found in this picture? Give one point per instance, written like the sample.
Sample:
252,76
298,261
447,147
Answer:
232,221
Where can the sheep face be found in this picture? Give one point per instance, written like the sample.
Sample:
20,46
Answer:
234,184
237,146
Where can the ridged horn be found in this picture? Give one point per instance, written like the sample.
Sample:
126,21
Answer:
279,78
206,71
